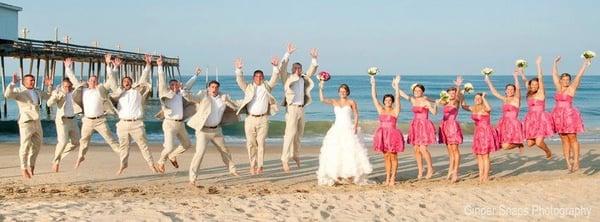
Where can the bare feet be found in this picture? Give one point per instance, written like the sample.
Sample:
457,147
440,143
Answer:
419,174
25,174
79,160
192,183
55,167
575,166
160,167
454,178
259,170
121,169
174,162
252,170
429,174
32,170
548,155
297,162
234,173
286,167
154,168
449,175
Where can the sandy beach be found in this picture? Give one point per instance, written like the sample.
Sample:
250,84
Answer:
523,188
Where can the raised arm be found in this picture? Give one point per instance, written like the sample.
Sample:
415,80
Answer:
396,87
273,81
402,94
465,106
145,78
374,96
492,88
68,62
111,78
486,105
190,83
586,63
459,93
239,74
11,92
55,96
517,85
162,79
321,96
540,76
314,53
283,68
196,98
432,106
555,77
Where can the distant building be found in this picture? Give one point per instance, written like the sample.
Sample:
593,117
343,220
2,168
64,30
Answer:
9,21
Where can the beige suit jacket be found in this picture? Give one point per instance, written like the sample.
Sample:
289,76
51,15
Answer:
29,110
165,94
203,108
250,88
58,98
288,80
104,88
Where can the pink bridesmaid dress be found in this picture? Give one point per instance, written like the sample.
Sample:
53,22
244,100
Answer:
485,139
450,131
510,129
421,130
387,137
538,122
566,117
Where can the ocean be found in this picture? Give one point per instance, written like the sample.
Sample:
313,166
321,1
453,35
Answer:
319,116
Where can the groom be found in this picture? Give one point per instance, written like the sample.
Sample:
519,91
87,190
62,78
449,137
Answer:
296,87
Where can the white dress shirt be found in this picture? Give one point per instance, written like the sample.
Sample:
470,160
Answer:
130,105
176,106
217,108
92,103
260,102
298,88
34,96
68,107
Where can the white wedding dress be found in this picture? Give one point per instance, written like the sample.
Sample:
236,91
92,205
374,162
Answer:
343,154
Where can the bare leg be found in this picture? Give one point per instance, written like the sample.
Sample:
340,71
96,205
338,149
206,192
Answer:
574,150
542,145
450,161
394,168
456,153
480,166
427,156
566,150
419,162
386,158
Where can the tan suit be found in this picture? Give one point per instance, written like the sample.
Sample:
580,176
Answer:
67,130
173,129
30,127
88,126
133,128
256,128
294,116
204,134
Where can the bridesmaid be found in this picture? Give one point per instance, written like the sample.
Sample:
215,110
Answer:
485,139
510,129
421,132
388,139
538,122
450,132
567,119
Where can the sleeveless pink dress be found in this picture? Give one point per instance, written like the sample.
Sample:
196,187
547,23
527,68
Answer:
485,139
387,137
538,122
421,130
567,118
450,131
510,129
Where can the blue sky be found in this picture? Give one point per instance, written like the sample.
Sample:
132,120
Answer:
409,37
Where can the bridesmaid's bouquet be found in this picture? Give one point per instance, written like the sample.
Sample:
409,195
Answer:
521,63
468,87
373,71
324,75
487,71
444,96
588,54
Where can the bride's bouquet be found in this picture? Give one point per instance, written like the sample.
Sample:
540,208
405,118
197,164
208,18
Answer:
444,96
487,71
468,87
588,54
324,75
373,71
521,63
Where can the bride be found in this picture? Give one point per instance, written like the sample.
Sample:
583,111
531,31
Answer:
343,155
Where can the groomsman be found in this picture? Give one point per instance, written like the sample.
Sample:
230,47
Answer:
30,127
212,110
130,98
67,130
296,87
175,109
95,106
258,104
